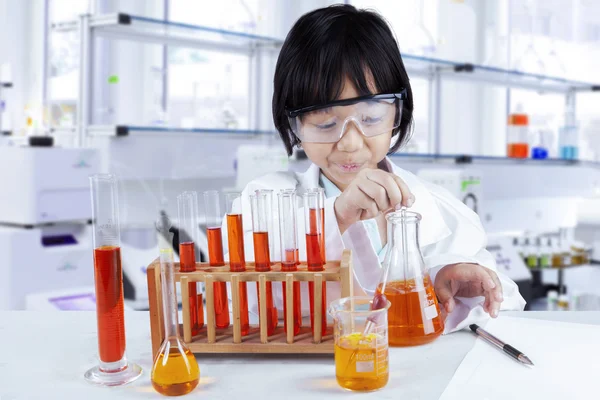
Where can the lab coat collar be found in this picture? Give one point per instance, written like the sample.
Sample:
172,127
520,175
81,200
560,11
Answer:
432,225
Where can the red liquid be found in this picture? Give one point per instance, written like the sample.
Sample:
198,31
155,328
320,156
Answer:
262,262
290,264
216,259
108,277
517,150
315,263
187,263
313,228
237,263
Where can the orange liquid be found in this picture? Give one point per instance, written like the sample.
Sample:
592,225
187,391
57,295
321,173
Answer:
108,277
315,263
262,262
290,264
237,263
187,263
313,229
361,363
216,259
517,150
414,316
175,374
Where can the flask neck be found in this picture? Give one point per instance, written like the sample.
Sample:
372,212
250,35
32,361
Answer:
404,236
169,296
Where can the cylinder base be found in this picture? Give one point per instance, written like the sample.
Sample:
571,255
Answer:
126,375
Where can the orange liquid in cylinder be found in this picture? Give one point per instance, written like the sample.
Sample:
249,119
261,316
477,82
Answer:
290,264
237,263
216,259
313,229
109,303
187,263
262,263
414,316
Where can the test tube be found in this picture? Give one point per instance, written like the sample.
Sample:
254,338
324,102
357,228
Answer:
114,368
237,259
187,205
261,202
215,255
289,252
320,206
313,222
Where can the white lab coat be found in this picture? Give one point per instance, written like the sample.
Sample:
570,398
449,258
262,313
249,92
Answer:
450,232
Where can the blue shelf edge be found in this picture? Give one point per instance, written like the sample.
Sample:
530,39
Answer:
466,159
137,128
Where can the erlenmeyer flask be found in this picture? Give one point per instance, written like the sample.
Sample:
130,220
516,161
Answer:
175,371
414,317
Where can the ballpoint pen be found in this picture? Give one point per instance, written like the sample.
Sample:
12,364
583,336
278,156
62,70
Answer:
507,348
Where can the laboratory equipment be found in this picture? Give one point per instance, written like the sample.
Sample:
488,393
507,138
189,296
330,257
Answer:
256,160
542,142
237,258
552,300
288,220
414,316
361,361
518,131
114,368
261,217
315,248
187,205
563,302
465,184
531,258
545,250
569,142
215,255
175,371
44,223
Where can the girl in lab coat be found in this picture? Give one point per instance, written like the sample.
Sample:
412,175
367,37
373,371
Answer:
342,94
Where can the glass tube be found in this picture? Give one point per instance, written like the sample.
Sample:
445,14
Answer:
237,259
215,255
261,221
319,205
187,205
313,222
114,368
289,251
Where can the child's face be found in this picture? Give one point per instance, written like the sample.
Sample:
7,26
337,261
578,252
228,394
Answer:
341,161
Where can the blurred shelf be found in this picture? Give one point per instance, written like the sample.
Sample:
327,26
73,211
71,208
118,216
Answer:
470,159
563,268
151,30
125,130
455,70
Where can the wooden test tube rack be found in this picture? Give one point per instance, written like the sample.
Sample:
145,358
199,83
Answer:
230,340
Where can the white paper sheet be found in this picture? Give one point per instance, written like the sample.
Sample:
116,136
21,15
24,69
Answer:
566,358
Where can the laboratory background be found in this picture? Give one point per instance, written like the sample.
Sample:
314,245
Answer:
175,95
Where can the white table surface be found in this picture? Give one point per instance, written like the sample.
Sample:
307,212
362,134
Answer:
45,355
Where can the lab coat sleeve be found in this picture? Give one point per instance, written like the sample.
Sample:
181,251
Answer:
466,244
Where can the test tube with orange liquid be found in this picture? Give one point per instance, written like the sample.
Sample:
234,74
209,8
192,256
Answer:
289,252
187,204
215,255
114,368
237,258
261,216
314,203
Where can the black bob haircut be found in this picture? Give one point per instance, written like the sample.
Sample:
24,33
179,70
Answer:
328,45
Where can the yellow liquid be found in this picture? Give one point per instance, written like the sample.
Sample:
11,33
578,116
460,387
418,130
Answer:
174,373
361,362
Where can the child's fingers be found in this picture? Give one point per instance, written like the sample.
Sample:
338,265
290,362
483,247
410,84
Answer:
407,197
387,181
376,192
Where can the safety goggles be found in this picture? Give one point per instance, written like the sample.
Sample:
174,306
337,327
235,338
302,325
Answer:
372,115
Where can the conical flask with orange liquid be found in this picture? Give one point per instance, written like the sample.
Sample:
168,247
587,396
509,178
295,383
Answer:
414,316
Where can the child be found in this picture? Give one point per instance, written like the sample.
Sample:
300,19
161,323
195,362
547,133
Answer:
341,92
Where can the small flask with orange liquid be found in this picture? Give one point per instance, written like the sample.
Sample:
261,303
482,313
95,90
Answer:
414,316
175,371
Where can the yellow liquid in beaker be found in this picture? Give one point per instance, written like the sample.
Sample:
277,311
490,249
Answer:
174,373
361,362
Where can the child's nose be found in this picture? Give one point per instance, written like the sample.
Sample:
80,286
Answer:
352,138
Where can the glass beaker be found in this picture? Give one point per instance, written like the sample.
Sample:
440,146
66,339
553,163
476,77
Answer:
175,371
414,316
114,368
361,361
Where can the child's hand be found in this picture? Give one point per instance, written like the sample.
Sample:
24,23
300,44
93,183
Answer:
371,193
468,280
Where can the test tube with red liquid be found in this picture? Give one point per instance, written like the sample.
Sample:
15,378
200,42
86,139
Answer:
237,258
314,203
215,255
114,368
261,202
187,205
289,252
